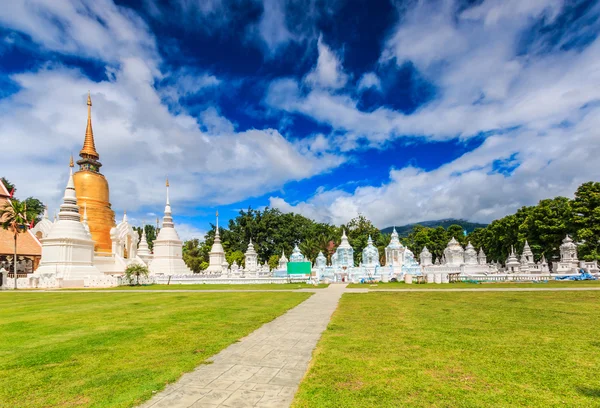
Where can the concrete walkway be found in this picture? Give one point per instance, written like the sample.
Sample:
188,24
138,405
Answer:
263,369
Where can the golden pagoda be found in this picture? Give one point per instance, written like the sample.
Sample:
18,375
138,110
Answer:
92,191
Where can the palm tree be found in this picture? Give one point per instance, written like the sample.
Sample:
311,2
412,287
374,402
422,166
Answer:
15,217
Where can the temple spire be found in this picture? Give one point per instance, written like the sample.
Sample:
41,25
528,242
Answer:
89,147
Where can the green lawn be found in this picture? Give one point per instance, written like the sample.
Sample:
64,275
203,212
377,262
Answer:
115,349
465,285
257,286
458,349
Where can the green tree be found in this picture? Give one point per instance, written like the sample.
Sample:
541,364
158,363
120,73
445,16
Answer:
235,256
192,255
457,232
150,231
9,186
15,217
134,271
358,230
545,227
273,262
586,219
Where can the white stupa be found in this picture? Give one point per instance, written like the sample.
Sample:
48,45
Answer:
143,250
43,227
168,248
251,258
68,249
217,253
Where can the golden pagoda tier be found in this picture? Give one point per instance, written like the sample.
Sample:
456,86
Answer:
93,192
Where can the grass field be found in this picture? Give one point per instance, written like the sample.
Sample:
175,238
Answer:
115,349
465,285
457,349
258,286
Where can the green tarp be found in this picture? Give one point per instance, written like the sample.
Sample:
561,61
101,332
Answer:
298,268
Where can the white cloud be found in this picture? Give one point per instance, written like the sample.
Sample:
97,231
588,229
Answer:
187,231
272,27
139,139
369,80
471,187
328,73
537,103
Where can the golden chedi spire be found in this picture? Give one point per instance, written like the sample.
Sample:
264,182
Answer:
89,147
91,188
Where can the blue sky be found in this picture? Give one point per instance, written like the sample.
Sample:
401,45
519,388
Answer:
402,111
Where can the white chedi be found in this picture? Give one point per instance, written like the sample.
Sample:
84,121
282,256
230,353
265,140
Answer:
481,257
394,252
43,227
370,254
454,253
344,254
283,261
67,249
512,263
217,253
470,255
143,249
124,239
297,256
168,248
568,250
321,261
426,257
410,266
251,258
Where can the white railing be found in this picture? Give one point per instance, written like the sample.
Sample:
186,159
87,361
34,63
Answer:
503,277
206,279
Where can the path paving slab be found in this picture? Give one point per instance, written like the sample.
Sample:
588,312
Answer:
264,369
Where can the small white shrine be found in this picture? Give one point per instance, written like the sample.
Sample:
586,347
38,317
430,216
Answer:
168,248
251,260
217,254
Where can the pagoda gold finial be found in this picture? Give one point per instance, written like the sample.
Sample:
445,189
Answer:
71,162
89,147
167,182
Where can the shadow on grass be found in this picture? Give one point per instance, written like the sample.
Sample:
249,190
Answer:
589,392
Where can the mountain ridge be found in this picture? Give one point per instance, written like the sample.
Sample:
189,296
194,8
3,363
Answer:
404,230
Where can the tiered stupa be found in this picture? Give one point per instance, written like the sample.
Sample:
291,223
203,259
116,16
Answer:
92,189
143,249
168,248
217,253
344,254
454,253
251,258
370,254
283,261
68,250
470,255
426,257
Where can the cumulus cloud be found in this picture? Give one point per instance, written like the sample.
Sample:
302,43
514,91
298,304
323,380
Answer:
369,80
498,76
328,73
139,139
272,27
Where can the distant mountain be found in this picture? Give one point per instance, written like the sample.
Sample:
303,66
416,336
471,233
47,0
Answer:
404,230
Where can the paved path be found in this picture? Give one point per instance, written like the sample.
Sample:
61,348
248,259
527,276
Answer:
263,369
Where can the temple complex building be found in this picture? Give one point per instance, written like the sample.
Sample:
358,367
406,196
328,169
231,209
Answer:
29,248
92,189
